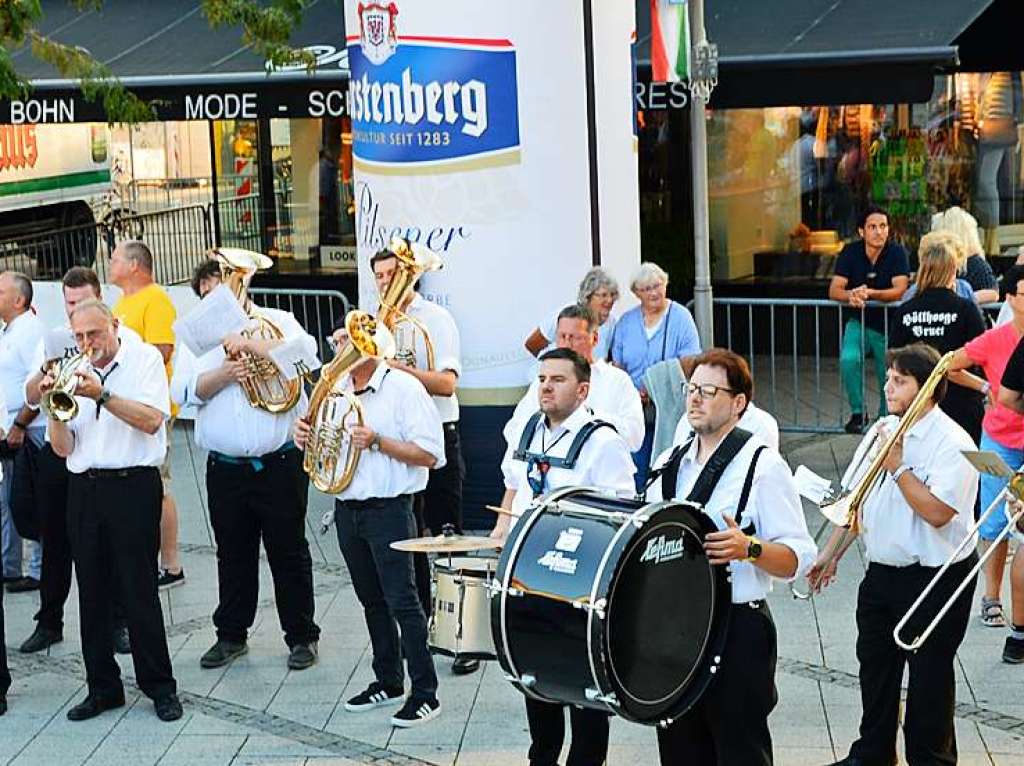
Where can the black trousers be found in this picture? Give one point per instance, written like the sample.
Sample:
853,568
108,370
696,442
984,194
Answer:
384,584
5,673
249,505
729,724
589,746
114,526
885,595
439,504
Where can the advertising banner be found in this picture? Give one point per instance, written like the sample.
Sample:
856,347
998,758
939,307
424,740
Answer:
473,134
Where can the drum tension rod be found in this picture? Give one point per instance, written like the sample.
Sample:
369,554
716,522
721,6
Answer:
494,588
595,696
597,607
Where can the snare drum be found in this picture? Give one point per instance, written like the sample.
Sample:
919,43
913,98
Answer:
611,604
460,626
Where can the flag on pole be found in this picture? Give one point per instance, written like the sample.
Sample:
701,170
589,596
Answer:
670,41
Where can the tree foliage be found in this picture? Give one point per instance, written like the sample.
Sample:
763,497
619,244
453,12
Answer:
266,27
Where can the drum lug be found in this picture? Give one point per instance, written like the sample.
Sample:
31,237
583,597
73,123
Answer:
598,607
639,519
607,699
494,588
527,680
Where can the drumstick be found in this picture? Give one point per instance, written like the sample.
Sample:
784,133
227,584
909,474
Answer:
503,511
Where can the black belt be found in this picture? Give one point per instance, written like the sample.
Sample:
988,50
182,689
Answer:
372,500
256,463
116,473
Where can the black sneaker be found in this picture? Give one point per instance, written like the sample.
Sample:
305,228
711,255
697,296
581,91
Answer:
855,425
168,708
416,712
41,638
376,695
168,579
221,653
302,656
122,644
1013,651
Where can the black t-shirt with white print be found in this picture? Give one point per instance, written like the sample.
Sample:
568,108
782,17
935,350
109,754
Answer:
945,321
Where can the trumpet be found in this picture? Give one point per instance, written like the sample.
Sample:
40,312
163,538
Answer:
845,512
1013,492
59,402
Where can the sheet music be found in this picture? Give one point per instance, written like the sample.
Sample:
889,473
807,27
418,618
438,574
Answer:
293,359
217,316
988,462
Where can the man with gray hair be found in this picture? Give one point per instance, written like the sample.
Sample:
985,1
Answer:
21,334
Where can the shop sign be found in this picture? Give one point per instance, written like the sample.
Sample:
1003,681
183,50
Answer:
661,96
341,258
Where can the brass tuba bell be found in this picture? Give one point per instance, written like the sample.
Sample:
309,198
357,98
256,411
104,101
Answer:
59,402
414,260
264,385
331,458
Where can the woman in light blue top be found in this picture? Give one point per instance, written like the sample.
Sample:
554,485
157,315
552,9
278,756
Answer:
656,330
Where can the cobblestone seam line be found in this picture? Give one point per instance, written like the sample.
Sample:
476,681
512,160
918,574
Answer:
967,712
335,744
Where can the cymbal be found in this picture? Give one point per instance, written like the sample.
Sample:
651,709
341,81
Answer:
446,544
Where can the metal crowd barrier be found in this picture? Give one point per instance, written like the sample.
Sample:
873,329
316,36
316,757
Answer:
318,311
793,348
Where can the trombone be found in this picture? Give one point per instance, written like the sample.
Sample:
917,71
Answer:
1014,491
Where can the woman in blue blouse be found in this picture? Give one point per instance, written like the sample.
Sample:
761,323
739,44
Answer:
656,330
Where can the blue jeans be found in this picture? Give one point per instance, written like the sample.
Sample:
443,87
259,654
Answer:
991,486
384,584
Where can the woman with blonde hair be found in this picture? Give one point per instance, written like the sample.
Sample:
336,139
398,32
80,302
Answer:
975,269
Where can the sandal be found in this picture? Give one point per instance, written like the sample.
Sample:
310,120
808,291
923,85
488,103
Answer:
992,614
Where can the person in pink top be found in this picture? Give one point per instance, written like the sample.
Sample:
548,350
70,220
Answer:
1002,432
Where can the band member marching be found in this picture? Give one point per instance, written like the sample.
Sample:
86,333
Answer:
914,518
114,448
399,440
748,490
254,483
563,444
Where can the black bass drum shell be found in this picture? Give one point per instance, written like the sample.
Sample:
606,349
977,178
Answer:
665,607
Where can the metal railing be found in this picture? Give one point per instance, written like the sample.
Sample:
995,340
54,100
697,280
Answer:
793,347
318,311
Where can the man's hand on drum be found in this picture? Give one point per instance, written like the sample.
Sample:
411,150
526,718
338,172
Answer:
728,545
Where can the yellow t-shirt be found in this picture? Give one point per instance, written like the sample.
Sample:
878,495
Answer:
151,314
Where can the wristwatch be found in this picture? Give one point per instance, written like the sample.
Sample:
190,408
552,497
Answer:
375,444
103,398
899,472
754,548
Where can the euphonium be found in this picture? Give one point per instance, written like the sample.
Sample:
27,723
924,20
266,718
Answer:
331,458
59,402
414,260
264,385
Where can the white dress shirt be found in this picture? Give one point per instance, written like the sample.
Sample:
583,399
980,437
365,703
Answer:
773,507
612,397
893,533
18,343
105,441
759,422
444,337
604,461
395,406
226,422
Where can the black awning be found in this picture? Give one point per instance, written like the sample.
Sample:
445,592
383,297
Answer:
791,52
167,53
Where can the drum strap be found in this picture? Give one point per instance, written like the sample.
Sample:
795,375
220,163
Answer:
572,454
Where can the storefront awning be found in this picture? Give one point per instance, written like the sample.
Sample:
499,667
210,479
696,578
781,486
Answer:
166,52
828,51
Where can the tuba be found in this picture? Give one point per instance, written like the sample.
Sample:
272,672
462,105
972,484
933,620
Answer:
331,407
59,402
414,260
264,385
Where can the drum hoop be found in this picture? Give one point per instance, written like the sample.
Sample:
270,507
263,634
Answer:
522,528
707,635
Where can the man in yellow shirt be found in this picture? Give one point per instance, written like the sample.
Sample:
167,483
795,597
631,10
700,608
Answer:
147,309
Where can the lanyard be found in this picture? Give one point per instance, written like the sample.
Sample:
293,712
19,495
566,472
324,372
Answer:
103,382
537,465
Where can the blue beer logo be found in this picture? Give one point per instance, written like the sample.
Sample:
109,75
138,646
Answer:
434,100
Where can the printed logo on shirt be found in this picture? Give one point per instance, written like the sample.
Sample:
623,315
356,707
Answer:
558,562
929,324
659,549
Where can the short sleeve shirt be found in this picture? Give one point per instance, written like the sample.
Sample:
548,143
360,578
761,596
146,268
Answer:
853,264
1013,375
151,314
992,350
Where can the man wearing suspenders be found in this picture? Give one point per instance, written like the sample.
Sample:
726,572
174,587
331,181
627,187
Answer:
762,537
563,445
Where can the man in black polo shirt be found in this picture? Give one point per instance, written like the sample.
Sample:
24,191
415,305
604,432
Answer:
871,269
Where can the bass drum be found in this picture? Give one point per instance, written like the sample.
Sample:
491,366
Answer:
610,604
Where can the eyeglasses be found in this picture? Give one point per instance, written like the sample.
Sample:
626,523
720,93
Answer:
650,288
706,391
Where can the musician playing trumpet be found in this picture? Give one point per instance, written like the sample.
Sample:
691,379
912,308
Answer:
912,521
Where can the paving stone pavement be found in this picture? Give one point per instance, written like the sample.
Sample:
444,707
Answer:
256,711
